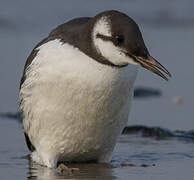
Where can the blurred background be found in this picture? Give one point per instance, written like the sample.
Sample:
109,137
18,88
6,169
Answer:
168,31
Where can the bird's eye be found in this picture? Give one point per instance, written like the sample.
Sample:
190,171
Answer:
119,39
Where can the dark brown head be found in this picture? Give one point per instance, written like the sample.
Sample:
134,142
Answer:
117,38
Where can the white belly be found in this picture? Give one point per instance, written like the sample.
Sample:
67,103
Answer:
74,108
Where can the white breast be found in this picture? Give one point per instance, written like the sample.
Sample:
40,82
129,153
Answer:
74,107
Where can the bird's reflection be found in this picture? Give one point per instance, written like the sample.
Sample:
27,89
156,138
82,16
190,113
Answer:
87,171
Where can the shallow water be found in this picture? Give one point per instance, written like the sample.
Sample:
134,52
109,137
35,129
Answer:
147,157
168,30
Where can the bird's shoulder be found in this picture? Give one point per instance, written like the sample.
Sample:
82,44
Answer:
67,32
71,27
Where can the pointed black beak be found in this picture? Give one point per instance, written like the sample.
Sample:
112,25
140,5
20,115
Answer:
153,65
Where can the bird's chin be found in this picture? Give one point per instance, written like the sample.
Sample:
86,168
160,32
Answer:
123,65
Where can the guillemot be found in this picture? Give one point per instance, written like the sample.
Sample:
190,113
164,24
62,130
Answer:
77,88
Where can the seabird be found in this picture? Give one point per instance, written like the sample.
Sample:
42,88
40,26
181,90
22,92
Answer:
77,87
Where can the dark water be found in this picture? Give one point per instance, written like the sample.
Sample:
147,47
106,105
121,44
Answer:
153,155
168,30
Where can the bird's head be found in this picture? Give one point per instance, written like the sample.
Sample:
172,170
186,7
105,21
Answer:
117,38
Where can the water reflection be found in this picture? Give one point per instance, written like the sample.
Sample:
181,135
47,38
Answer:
149,157
87,171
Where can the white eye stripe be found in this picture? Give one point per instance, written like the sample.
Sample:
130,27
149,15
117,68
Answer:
103,27
104,44
111,52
